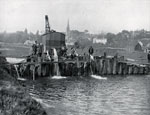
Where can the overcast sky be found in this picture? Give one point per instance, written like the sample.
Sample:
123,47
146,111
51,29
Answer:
93,15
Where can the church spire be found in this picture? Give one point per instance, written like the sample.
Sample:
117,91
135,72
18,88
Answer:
68,27
68,32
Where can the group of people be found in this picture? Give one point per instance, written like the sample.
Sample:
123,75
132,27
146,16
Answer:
38,51
39,54
75,54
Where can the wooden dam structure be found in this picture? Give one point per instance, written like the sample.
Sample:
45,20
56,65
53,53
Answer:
39,64
99,66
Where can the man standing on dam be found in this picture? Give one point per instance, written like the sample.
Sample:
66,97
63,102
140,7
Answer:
34,48
91,51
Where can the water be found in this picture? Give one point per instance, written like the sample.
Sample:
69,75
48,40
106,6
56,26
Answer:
124,95
128,95
15,60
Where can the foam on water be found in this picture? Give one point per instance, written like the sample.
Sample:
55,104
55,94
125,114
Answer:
21,79
98,77
42,102
15,60
58,77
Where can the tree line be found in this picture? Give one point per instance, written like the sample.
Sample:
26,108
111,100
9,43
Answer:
121,39
18,37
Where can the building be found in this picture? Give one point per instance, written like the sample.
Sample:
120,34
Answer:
29,42
143,45
139,46
68,32
68,38
100,40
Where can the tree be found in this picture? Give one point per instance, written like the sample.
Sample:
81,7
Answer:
86,31
77,44
110,38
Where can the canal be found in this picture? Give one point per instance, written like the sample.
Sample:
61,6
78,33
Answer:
118,95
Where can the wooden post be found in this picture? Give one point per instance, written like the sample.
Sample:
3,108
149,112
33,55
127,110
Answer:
39,69
78,66
111,66
135,69
124,68
141,70
49,69
97,66
129,69
101,66
114,66
10,70
146,70
120,68
108,66
104,70
138,70
34,73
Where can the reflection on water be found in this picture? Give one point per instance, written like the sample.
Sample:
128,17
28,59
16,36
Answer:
88,96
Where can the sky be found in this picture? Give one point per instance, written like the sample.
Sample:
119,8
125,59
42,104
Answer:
94,15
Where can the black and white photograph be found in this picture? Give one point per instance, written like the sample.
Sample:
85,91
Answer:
74,57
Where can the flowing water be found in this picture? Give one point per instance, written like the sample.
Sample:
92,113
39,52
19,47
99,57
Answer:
124,95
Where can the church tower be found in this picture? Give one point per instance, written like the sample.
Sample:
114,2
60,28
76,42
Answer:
68,32
68,27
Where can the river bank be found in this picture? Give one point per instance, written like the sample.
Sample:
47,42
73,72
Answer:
14,97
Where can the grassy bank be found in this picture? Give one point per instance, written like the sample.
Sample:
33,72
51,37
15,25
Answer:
14,98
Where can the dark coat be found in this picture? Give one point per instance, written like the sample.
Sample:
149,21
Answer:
91,50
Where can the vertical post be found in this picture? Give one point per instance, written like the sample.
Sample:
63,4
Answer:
146,70
108,66
114,66
120,68
34,73
141,70
114,70
134,69
78,66
101,65
98,66
138,69
10,69
111,66
129,69
124,68
50,69
104,70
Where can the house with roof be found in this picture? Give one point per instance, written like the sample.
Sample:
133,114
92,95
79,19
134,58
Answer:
143,45
100,40
139,46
